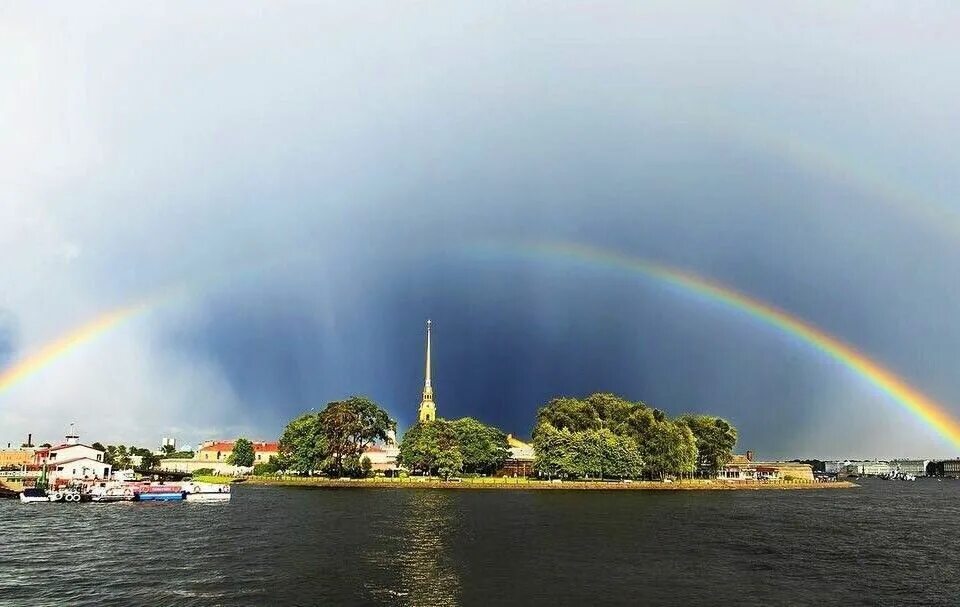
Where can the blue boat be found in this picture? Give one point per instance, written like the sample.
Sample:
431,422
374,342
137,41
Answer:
159,497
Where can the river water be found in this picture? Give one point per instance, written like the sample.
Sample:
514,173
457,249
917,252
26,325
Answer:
886,543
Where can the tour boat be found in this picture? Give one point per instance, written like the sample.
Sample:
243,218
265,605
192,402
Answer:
207,492
111,493
156,496
159,492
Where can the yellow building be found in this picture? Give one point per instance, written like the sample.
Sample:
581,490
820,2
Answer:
743,468
15,458
220,451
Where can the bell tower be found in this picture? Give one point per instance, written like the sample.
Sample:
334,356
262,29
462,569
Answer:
428,409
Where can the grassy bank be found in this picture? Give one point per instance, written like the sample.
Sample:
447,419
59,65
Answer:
526,484
221,480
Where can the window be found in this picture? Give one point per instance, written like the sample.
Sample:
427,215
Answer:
98,457
53,456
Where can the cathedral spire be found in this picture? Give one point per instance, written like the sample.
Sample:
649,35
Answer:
428,409
426,383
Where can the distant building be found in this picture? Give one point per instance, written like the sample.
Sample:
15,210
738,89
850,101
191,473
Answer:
521,459
16,458
74,460
916,467
951,467
220,451
869,468
382,457
214,455
743,468
834,467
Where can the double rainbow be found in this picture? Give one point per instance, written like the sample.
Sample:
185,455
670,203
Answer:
898,390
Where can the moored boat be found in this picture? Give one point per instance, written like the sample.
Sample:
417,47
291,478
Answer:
207,492
111,493
31,495
156,496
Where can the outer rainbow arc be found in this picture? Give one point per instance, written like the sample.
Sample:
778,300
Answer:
922,406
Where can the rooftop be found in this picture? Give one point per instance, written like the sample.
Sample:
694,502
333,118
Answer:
227,445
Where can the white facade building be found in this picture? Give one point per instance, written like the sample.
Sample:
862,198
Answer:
916,467
869,468
73,460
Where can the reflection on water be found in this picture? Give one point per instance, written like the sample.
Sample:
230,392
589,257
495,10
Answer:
421,555
281,546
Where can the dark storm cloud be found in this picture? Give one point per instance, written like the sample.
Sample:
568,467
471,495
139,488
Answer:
319,177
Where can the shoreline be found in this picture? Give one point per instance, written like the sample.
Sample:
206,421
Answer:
530,485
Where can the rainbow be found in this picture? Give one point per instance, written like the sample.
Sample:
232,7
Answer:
819,158
908,397
67,343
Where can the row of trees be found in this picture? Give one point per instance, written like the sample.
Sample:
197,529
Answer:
600,436
332,441
450,447
604,435
121,456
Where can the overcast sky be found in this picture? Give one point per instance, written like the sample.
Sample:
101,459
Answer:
314,181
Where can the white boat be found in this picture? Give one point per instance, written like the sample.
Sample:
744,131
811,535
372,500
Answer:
898,476
32,495
111,493
207,492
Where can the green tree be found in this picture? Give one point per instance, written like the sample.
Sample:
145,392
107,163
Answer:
428,446
621,456
120,457
449,462
716,438
303,444
168,450
586,454
596,411
242,453
350,426
271,466
551,448
98,446
484,449
366,466
671,448
567,413
149,461
335,438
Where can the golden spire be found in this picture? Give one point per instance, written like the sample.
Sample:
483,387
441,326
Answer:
428,409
